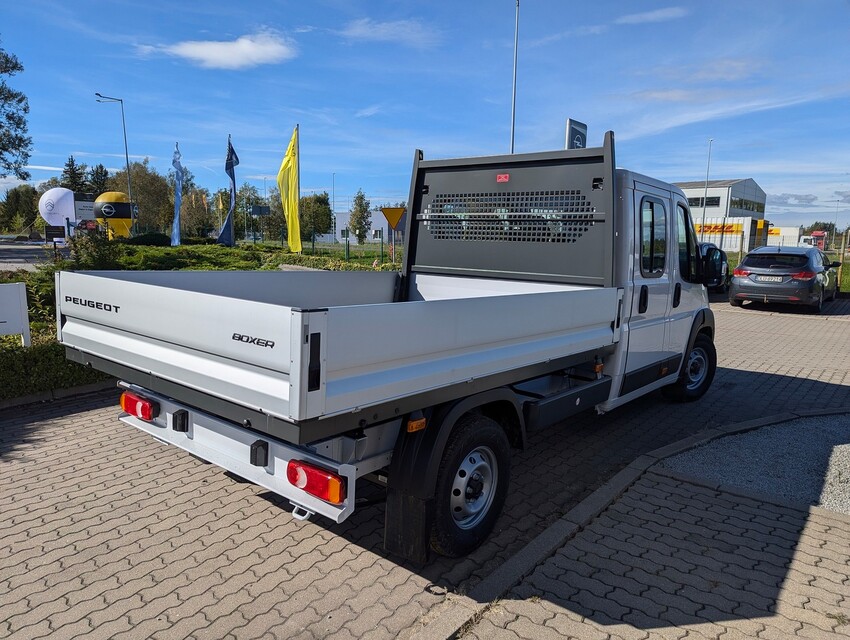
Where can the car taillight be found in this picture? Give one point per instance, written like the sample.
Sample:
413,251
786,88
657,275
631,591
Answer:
138,406
803,275
740,272
318,482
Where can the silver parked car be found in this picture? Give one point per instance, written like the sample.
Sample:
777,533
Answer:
794,275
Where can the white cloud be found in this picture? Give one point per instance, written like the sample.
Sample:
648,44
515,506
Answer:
791,198
409,32
843,195
41,167
264,47
368,112
590,30
659,15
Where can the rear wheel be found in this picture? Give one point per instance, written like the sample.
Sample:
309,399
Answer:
735,303
697,373
472,483
817,307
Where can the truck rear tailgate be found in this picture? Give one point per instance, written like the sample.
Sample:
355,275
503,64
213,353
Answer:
235,335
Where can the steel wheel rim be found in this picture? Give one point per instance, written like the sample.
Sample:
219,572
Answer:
697,368
474,487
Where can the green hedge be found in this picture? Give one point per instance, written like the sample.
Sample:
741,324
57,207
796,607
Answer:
40,367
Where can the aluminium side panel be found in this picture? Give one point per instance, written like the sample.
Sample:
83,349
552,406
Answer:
378,353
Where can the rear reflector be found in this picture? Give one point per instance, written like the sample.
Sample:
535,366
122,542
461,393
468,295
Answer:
318,482
804,275
138,406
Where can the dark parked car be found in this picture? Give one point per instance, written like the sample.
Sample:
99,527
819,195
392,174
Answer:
795,275
721,283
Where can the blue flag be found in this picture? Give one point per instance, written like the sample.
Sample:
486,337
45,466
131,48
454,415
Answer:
178,195
226,236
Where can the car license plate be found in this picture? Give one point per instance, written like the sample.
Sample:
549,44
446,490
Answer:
769,278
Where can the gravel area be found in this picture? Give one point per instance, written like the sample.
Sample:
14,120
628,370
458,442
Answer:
805,461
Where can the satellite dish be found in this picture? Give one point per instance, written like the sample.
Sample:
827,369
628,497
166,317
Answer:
55,205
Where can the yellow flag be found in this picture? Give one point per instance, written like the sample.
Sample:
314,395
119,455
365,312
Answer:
287,182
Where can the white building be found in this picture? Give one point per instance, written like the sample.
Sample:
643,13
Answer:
730,212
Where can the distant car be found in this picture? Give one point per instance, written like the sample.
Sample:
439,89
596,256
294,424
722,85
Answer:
721,283
794,275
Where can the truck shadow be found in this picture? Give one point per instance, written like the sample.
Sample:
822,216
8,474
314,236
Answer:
655,558
835,308
21,426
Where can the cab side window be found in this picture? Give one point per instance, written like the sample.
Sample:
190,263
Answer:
686,237
653,238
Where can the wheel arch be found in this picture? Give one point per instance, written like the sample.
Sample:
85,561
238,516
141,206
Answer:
412,478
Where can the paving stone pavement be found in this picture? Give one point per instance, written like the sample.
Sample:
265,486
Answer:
674,559
104,532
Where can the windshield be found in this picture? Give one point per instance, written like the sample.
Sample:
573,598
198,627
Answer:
775,260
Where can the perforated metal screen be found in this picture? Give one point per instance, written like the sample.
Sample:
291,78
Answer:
514,216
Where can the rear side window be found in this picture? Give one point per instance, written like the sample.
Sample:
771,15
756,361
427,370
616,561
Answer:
653,238
775,261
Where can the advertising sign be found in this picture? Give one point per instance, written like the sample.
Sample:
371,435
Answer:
576,134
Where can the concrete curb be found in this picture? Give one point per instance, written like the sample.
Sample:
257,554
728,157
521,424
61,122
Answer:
57,394
465,611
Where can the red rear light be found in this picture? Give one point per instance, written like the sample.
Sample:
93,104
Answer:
318,482
740,272
138,406
804,275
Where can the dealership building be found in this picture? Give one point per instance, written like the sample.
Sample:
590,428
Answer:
729,213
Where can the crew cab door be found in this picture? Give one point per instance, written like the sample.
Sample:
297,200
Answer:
689,294
653,287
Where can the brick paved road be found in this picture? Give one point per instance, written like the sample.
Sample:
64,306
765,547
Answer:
104,531
672,559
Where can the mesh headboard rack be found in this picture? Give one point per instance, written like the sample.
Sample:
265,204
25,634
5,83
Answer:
536,216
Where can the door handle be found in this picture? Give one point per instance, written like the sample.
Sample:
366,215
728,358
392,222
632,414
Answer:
643,302
677,294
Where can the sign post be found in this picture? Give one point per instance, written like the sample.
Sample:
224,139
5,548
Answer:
393,216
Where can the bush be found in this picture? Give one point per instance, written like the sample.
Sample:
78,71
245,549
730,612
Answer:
41,367
151,239
195,241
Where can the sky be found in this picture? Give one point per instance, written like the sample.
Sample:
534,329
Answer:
369,82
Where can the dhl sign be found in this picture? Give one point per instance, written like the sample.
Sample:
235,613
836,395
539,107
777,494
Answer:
719,228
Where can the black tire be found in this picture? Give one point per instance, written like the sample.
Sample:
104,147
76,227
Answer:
736,303
817,307
697,371
472,483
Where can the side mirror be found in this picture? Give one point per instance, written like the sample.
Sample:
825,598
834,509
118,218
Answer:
711,265
835,264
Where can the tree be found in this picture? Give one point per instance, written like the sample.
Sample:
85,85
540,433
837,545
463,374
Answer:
15,144
314,215
275,224
51,183
246,195
19,208
360,220
151,194
98,179
74,176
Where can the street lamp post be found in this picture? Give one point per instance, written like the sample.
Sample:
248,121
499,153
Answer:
102,98
705,192
513,90
835,226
